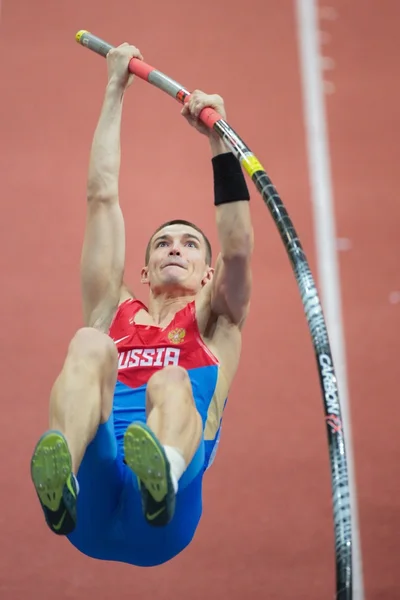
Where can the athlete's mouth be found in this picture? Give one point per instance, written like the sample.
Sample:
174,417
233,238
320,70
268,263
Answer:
174,264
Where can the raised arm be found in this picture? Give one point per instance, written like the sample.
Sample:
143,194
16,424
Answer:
103,252
232,281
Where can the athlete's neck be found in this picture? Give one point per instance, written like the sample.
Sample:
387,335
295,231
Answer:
162,309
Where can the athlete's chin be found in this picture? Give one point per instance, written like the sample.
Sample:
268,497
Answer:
174,280
173,273
174,284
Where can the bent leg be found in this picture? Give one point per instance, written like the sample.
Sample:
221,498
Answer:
81,399
160,451
172,413
82,395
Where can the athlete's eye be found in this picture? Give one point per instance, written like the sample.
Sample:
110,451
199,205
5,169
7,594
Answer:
193,244
159,244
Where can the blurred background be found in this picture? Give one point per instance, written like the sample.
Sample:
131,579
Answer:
267,529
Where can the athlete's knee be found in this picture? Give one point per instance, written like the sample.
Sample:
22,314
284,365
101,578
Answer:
92,354
163,383
171,375
93,349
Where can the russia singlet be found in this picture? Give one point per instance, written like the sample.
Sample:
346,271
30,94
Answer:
144,349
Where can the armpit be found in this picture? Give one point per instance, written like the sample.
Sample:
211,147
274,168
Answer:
125,294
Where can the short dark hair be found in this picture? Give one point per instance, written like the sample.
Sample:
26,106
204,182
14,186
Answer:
188,224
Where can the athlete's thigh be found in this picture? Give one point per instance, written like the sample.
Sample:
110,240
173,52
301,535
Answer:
101,480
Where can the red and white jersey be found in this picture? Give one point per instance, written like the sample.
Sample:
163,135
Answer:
144,349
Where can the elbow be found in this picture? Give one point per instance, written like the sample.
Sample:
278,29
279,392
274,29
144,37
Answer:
238,248
101,195
102,185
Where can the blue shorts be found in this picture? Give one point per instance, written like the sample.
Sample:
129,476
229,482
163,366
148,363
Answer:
110,524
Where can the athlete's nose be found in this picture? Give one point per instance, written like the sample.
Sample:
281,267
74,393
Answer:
175,251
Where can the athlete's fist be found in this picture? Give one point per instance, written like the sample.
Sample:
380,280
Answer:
118,60
193,107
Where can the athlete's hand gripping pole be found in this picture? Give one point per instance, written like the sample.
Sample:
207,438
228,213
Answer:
137,67
211,118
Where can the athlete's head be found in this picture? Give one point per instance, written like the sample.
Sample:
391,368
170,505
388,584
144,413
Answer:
178,258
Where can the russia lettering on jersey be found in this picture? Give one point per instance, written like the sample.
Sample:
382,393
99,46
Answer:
148,357
143,349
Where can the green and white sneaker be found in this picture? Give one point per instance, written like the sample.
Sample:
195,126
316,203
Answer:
55,484
147,459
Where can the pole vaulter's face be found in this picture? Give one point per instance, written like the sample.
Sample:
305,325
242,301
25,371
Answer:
177,260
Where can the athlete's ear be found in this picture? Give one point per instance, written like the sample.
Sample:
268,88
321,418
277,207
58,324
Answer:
208,276
144,275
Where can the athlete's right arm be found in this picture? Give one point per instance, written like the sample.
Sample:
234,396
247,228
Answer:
103,252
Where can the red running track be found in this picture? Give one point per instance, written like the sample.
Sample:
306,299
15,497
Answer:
267,525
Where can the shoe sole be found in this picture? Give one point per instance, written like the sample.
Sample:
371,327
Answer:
146,457
51,466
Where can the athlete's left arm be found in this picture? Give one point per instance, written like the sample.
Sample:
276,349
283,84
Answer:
232,281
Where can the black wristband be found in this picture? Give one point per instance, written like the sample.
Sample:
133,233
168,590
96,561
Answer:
229,182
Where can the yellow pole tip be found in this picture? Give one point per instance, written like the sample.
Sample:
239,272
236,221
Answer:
79,35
